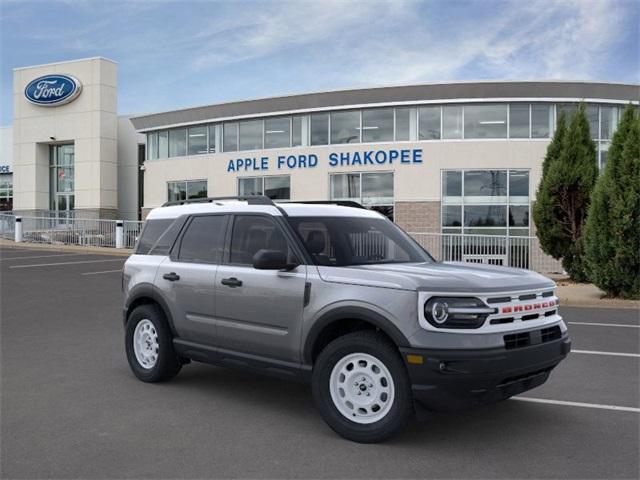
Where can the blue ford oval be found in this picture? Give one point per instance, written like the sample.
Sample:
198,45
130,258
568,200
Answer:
51,90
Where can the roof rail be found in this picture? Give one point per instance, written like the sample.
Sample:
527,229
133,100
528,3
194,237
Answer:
250,199
342,203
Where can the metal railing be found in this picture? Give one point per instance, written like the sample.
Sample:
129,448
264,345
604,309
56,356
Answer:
57,230
7,226
518,252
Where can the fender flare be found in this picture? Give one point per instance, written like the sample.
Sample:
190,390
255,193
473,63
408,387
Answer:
355,313
147,290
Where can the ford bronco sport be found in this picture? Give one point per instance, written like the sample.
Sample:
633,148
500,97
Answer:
338,296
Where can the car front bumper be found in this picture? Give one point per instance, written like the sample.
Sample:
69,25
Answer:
453,379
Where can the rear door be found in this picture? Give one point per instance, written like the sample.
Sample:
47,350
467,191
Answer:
259,311
187,277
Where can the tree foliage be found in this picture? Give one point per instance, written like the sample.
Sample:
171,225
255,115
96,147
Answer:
612,232
569,174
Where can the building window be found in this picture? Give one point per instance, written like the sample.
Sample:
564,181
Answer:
197,140
163,144
519,120
277,132
485,121
541,120
403,124
186,190
429,123
608,122
6,192
251,135
345,127
296,131
62,176
320,129
485,202
178,142
276,187
452,121
374,190
212,138
230,137
592,112
377,125
152,146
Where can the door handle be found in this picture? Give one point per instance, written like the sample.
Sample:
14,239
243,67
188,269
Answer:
231,282
172,277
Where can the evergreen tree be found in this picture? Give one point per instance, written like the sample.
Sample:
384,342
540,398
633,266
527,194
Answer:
548,231
612,232
564,194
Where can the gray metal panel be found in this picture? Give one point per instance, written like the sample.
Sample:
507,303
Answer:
411,93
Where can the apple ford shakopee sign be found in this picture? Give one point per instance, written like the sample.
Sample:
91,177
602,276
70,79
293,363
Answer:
53,90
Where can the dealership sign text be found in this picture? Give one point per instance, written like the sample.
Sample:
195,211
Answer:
334,159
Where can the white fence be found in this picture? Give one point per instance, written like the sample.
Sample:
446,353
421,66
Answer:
72,231
519,252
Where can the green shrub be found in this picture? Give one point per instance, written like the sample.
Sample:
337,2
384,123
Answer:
612,232
569,174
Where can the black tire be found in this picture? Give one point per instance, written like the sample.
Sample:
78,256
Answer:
380,347
167,364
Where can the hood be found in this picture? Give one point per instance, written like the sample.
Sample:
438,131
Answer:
455,277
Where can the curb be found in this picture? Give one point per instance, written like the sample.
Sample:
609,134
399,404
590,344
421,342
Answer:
122,252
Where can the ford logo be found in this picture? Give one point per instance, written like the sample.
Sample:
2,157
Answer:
53,90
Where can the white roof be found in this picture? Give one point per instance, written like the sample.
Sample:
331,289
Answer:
236,206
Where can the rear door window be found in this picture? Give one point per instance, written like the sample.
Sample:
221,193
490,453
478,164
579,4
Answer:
152,231
203,240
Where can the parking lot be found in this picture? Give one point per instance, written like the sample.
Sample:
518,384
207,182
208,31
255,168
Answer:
70,407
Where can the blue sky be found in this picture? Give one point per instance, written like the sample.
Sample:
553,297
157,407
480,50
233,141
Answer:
174,54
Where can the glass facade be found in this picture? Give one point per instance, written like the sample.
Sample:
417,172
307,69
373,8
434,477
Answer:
486,202
62,179
6,192
382,124
186,190
276,187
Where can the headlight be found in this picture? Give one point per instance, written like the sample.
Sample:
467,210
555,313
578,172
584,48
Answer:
456,312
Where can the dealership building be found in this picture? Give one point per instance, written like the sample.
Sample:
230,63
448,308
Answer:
460,157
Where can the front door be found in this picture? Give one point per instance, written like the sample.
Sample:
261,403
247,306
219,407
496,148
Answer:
187,278
259,311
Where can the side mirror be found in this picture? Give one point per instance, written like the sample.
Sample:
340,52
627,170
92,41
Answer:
272,260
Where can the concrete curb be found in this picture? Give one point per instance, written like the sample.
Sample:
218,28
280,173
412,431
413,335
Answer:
124,252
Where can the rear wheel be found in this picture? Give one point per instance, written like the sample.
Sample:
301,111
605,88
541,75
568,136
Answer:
361,387
149,345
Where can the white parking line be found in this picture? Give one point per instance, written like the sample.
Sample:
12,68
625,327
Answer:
577,404
42,256
104,271
68,263
613,354
604,324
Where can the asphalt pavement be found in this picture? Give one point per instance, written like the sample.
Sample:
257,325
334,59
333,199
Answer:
70,407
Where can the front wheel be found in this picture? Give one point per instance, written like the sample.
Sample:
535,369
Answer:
361,387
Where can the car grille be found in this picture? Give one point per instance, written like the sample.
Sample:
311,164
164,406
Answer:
535,337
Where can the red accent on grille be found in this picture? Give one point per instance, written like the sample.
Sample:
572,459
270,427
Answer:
518,308
545,304
528,307
507,309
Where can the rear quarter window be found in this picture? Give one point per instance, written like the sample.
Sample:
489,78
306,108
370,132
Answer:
151,232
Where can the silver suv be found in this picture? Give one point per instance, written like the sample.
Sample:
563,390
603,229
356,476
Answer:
340,297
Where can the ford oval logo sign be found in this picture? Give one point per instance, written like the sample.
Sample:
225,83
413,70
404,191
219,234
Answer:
53,90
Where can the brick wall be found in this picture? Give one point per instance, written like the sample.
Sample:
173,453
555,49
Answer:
418,216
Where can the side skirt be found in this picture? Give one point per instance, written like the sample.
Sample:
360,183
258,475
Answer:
243,361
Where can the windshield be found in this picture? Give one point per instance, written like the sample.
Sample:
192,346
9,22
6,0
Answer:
345,241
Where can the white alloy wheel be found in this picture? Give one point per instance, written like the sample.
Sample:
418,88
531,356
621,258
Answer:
362,388
145,344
